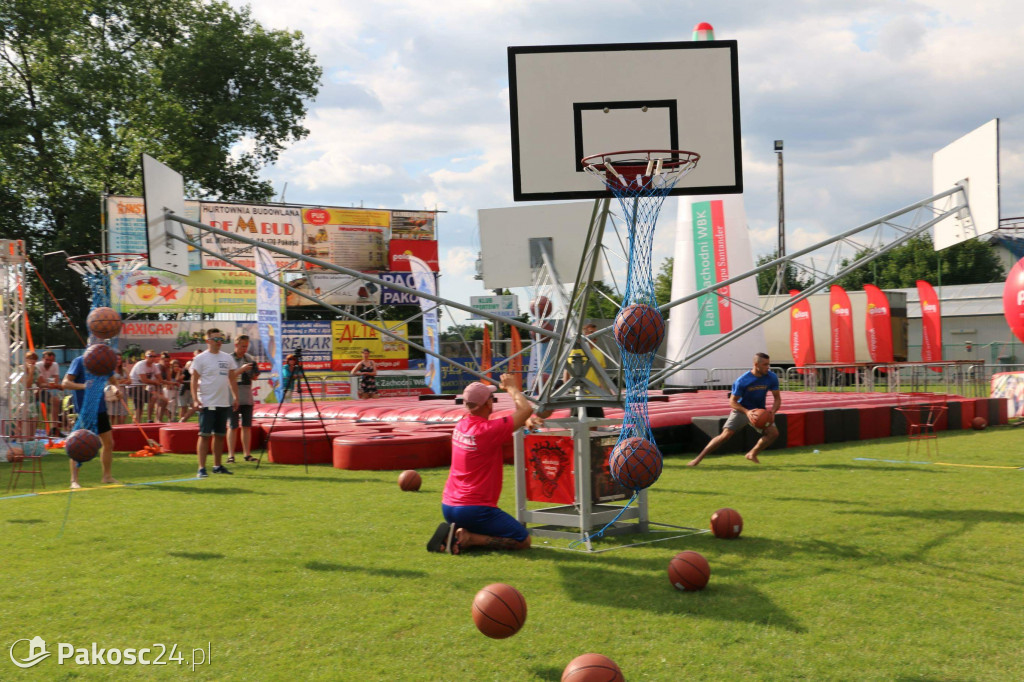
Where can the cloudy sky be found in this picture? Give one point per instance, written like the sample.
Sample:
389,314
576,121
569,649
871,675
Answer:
413,112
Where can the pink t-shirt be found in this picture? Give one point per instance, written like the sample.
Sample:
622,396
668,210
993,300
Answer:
475,476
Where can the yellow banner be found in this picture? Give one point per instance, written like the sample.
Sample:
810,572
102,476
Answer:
206,291
350,338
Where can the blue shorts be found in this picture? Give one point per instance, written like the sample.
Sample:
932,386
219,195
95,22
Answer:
213,421
485,521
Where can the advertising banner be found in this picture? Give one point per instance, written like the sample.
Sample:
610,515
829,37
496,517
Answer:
413,224
712,244
395,297
841,326
931,324
399,251
427,283
801,333
126,227
268,316
334,289
202,291
279,226
878,324
350,237
549,469
350,338
711,265
313,337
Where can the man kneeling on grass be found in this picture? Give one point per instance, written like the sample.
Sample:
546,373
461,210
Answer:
470,501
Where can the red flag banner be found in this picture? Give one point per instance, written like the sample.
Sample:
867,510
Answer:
878,324
515,365
801,333
1013,299
485,354
931,324
841,323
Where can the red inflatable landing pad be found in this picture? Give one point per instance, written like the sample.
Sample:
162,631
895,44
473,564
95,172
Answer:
393,451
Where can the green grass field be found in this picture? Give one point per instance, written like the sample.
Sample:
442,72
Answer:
846,569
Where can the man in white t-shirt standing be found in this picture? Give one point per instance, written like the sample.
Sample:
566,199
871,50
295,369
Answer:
214,396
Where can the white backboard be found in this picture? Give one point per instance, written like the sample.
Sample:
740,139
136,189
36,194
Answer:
571,101
505,235
163,192
974,161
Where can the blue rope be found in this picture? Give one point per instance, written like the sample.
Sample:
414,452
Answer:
641,201
600,533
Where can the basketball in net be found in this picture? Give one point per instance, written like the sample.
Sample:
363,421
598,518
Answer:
104,323
82,445
639,328
100,359
540,306
635,463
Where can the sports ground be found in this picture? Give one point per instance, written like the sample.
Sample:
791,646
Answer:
856,562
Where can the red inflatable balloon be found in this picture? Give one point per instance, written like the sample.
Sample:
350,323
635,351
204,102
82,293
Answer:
1013,299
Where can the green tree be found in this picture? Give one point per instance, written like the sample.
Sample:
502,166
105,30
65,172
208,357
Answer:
970,262
663,282
87,85
793,278
603,302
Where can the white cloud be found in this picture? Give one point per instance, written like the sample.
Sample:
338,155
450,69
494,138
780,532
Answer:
414,112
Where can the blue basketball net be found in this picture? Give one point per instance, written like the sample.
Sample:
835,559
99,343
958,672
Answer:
99,288
640,184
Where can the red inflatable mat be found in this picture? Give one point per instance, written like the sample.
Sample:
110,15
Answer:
128,438
393,451
287,447
268,410
179,439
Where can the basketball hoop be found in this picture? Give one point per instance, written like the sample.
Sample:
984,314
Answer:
97,268
653,170
105,263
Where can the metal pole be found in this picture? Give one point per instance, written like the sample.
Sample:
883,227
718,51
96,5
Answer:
781,273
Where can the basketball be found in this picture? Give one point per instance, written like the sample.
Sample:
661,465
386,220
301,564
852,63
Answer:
82,445
635,463
540,306
592,668
409,480
100,359
499,611
979,423
639,328
760,418
726,524
104,323
688,571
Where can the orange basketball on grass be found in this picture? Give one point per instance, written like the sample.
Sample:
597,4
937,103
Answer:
688,571
499,611
979,423
409,480
760,418
726,523
104,323
592,668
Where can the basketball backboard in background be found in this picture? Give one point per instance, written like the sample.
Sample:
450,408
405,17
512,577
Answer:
571,101
506,234
163,192
974,161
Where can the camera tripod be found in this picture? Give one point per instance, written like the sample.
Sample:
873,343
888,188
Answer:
296,380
